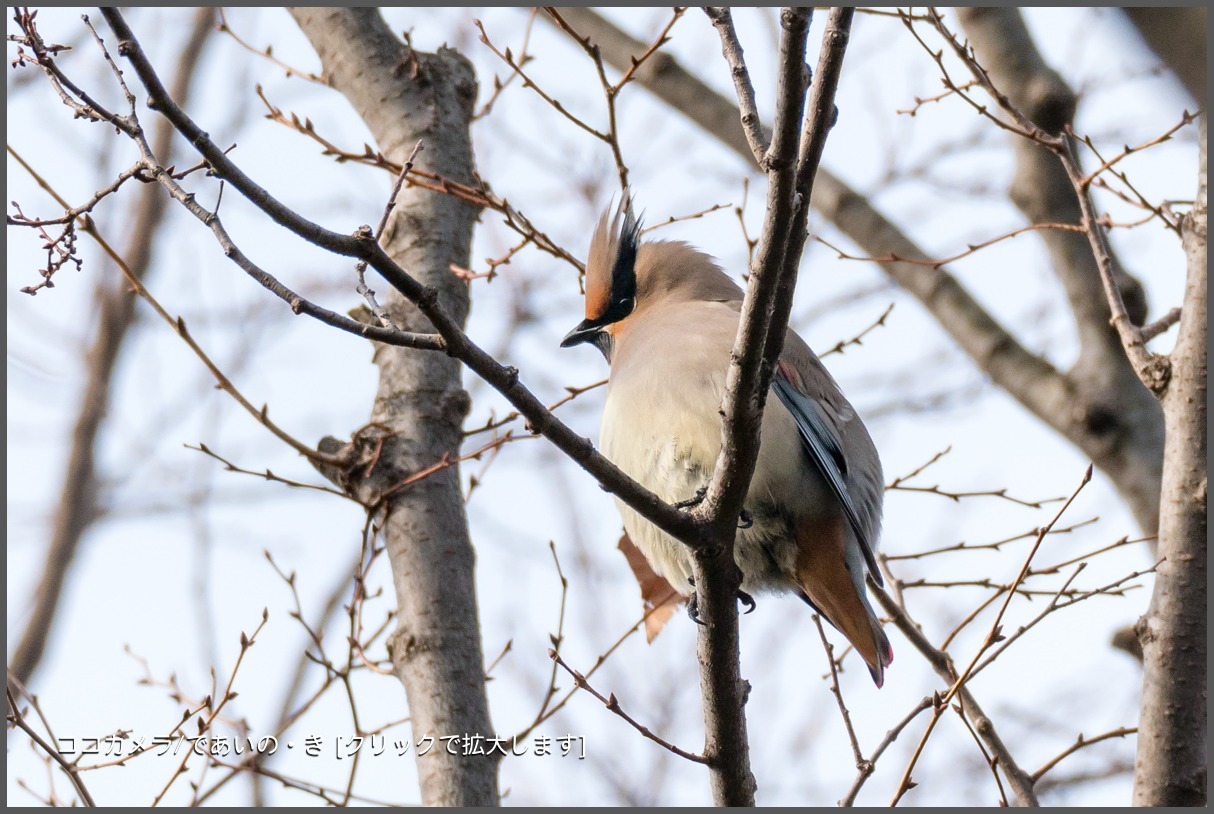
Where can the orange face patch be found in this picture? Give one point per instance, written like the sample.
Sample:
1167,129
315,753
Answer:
598,290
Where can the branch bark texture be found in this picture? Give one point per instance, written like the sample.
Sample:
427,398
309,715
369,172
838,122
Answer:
404,95
1170,768
726,744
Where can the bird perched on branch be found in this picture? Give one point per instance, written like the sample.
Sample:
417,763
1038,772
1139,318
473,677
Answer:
666,316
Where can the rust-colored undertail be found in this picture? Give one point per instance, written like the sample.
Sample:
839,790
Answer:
826,583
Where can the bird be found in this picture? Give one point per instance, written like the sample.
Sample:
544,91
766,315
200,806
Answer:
665,316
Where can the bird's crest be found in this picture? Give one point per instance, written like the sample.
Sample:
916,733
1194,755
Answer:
611,264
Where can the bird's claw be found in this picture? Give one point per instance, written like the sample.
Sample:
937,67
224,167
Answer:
694,500
693,605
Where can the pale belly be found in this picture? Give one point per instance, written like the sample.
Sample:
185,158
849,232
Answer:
672,454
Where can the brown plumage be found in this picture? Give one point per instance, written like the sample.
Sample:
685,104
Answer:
666,316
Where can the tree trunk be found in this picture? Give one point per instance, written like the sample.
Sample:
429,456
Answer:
1170,769
403,96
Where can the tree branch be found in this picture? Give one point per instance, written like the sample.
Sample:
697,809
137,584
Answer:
1020,780
427,299
77,509
717,576
731,49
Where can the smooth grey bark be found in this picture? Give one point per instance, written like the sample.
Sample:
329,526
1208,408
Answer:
404,96
1170,767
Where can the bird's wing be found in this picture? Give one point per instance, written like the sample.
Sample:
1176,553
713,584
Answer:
817,426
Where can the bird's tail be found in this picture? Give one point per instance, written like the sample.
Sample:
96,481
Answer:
825,576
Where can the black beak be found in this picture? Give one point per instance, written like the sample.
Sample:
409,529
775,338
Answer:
586,331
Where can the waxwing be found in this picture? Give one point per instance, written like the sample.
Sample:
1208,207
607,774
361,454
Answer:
665,316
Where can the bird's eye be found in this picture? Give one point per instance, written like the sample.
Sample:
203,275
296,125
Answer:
626,302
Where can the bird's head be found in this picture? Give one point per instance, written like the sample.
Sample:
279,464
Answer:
611,280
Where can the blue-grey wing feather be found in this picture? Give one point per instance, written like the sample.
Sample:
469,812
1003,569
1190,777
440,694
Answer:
822,444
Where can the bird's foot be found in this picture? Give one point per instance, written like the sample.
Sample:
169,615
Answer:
694,500
693,604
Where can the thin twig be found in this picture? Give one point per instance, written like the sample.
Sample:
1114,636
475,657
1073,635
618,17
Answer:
993,546
834,688
498,84
508,57
361,267
614,705
266,53
682,218
857,340
16,718
598,662
1152,369
731,49
1080,743
870,763
559,638
971,248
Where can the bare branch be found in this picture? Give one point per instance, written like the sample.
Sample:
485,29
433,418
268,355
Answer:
857,340
870,764
1080,743
942,663
77,506
361,267
939,263
1153,371
265,53
614,705
838,693
731,48
528,82
457,344
16,718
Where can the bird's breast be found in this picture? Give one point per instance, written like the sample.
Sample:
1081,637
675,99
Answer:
664,430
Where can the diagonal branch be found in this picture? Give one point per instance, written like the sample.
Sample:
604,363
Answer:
1054,134
1020,780
502,378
